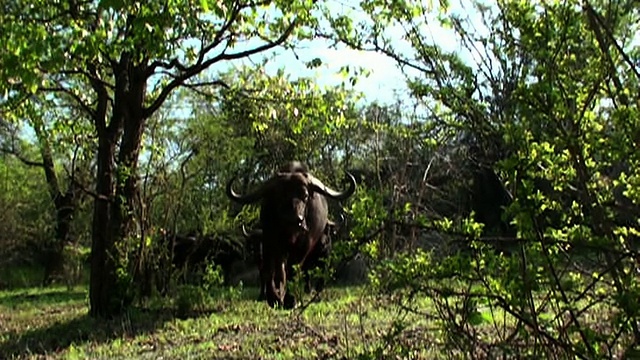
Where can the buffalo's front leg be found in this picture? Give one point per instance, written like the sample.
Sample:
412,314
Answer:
263,274
289,301
277,283
262,296
264,279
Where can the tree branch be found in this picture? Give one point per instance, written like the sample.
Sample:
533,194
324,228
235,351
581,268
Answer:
74,72
91,193
598,19
219,35
199,67
73,95
175,63
14,152
596,27
194,87
48,165
377,48
100,114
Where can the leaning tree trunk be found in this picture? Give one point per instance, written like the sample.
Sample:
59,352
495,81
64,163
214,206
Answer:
65,206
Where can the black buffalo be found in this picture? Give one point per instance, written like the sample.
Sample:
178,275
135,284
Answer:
293,218
317,259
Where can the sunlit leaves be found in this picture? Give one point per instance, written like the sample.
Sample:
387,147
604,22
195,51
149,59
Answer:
292,114
205,5
99,33
367,211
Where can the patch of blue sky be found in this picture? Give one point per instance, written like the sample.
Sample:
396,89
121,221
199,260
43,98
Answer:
385,81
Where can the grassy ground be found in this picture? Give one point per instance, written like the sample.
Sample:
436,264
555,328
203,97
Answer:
52,323
20,277
348,323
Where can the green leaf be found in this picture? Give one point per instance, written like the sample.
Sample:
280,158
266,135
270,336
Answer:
478,318
205,5
314,63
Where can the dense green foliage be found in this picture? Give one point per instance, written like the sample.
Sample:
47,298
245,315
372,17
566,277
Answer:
549,109
502,187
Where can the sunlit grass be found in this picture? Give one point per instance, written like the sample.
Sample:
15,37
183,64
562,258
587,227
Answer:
53,322
346,323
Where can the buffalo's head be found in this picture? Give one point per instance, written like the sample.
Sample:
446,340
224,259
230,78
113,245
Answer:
290,193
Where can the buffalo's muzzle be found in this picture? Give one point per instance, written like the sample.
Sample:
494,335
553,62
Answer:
302,225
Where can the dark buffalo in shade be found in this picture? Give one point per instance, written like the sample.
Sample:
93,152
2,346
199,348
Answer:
254,244
293,217
195,251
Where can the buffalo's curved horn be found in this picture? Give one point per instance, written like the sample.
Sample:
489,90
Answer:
249,198
244,232
248,234
343,219
327,191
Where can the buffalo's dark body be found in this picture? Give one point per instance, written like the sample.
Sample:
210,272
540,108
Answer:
293,217
318,258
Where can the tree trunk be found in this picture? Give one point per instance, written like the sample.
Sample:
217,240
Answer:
113,218
102,288
112,222
128,190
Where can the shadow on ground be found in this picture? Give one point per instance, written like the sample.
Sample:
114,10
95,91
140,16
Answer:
56,337
44,298
82,329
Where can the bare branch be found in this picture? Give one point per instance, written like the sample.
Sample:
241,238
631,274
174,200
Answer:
165,65
86,74
91,193
175,63
377,48
597,26
218,38
199,67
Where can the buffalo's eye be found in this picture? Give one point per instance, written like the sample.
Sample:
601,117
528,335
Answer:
303,195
